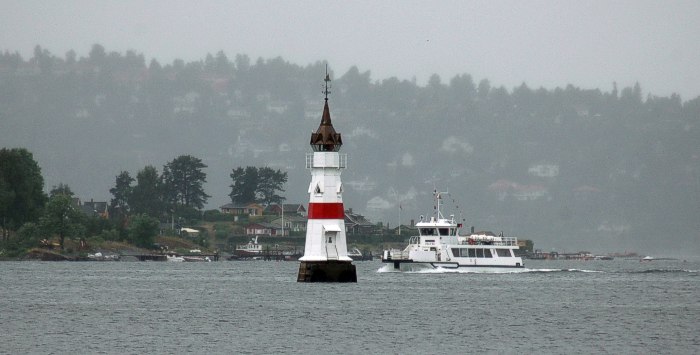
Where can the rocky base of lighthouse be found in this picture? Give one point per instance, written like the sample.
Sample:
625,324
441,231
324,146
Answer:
327,271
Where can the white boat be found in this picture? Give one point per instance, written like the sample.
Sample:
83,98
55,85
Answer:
175,258
251,249
98,256
439,245
647,258
355,254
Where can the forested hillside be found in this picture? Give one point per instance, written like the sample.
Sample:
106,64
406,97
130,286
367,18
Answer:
572,169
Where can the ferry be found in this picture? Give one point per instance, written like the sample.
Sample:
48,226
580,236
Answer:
440,245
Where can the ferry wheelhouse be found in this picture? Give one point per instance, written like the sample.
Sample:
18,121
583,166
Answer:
440,245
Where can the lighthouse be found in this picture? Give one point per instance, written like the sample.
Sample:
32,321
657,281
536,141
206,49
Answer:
325,252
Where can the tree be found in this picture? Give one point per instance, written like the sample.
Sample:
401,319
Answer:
269,182
147,195
97,54
21,189
183,180
254,184
29,234
462,88
61,218
143,230
245,185
122,193
6,198
242,62
61,189
484,89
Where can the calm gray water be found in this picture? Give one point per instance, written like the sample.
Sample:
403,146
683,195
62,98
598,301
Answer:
619,306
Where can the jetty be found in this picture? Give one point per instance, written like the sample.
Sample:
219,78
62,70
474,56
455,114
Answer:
164,257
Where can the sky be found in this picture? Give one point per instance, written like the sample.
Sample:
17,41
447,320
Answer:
589,44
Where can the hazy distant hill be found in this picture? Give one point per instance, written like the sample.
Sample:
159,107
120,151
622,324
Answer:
569,168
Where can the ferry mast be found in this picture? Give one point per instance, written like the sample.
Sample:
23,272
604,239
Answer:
325,252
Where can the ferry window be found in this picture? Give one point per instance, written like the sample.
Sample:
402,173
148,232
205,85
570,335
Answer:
427,231
503,252
453,231
455,252
480,253
444,231
472,253
487,253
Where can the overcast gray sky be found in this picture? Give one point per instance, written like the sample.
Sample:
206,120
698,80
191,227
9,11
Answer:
544,43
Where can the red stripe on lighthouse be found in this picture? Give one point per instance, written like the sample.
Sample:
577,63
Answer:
326,210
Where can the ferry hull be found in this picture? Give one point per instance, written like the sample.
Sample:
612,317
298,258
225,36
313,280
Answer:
409,265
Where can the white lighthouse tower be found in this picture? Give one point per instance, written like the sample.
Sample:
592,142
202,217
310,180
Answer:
325,253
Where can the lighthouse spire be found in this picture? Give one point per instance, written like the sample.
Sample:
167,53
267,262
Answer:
326,139
327,86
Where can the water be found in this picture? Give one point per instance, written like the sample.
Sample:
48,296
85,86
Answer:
619,306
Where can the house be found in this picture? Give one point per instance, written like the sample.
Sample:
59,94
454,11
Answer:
93,209
189,232
502,188
293,223
358,224
529,192
505,188
290,209
585,192
250,209
544,170
269,229
406,230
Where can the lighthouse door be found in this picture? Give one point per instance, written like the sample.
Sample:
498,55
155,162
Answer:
331,245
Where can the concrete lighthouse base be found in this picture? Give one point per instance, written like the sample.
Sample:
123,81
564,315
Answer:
327,271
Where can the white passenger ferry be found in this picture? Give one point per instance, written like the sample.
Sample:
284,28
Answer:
439,245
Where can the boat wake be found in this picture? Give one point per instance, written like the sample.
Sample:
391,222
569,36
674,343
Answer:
566,270
666,271
387,268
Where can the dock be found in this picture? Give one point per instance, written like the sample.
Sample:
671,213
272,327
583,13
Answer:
163,257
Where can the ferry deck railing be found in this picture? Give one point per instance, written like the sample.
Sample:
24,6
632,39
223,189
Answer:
505,241
396,254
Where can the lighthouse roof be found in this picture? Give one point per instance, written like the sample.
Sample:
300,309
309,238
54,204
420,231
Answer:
326,139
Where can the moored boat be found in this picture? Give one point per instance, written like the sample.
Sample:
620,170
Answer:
355,254
252,249
439,245
175,258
